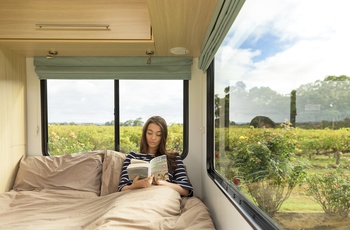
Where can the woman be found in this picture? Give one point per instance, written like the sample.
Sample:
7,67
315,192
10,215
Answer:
153,144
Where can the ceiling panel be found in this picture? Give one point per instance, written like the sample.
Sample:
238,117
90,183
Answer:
135,26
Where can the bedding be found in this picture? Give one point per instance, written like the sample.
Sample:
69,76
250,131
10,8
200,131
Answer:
80,171
47,202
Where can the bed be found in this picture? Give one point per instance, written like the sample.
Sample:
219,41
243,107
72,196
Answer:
79,191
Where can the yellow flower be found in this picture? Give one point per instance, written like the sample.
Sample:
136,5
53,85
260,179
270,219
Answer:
72,135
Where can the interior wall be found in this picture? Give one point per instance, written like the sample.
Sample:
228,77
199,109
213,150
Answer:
222,211
12,116
224,214
33,110
195,160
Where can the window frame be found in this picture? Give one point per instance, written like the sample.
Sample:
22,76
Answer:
44,117
252,214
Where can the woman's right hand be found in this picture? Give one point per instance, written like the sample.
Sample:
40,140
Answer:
136,183
143,183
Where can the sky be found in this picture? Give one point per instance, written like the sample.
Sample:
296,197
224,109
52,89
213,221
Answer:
294,41
93,101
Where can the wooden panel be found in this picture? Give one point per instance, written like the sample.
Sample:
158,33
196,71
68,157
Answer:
128,19
12,116
31,48
175,23
180,23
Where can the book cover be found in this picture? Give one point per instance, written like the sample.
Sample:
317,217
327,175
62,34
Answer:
158,167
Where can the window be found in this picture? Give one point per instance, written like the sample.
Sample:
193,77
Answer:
140,100
85,115
280,99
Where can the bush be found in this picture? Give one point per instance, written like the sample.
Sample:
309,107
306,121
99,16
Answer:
332,191
265,162
67,139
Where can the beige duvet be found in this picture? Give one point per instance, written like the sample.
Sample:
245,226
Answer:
78,191
155,207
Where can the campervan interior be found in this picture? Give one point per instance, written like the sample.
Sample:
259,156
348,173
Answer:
150,30
256,95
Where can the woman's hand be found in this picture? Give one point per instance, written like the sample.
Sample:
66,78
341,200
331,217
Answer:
176,187
143,183
136,183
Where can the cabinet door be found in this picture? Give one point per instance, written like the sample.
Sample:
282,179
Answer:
74,19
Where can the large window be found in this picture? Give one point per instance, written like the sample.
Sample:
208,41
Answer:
84,115
281,114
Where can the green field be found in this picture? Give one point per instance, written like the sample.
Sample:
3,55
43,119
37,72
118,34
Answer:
67,139
316,148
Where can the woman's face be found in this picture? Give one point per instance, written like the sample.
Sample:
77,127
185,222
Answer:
153,136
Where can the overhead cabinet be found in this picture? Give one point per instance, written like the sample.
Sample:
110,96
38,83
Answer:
78,19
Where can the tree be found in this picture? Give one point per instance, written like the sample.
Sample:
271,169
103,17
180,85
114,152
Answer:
222,109
293,107
109,123
326,100
137,122
258,101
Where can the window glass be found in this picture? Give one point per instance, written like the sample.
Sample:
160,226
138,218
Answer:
282,111
140,100
81,113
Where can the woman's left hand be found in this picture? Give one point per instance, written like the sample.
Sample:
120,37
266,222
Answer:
176,187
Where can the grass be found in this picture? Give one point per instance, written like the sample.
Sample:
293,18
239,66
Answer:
299,201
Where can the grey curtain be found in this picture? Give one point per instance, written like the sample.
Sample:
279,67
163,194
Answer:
171,68
226,12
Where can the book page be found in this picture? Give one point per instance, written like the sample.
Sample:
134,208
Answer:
159,168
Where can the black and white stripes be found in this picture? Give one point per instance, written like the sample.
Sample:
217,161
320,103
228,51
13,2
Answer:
179,176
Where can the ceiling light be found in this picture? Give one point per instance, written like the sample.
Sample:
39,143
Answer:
179,50
73,26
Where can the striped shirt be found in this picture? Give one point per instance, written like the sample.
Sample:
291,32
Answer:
178,176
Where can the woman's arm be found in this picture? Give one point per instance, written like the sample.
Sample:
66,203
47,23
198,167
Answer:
178,179
176,187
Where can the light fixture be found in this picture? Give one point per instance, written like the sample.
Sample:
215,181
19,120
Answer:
51,54
179,50
149,53
73,26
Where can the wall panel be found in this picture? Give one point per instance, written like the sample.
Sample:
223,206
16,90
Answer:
12,115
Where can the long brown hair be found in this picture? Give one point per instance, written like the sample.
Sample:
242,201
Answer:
162,149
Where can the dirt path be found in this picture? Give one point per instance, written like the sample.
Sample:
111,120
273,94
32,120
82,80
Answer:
311,221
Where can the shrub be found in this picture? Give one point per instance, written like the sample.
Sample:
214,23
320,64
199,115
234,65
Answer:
265,162
67,139
332,191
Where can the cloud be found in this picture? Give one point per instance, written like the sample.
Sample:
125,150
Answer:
93,100
80,101
274,43
308,40
148,98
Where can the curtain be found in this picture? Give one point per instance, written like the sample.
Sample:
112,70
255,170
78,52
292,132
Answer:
171,68
226,12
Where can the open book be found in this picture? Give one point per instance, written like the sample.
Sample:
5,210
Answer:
158,167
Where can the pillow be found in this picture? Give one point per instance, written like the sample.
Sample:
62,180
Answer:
111,171
79,171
